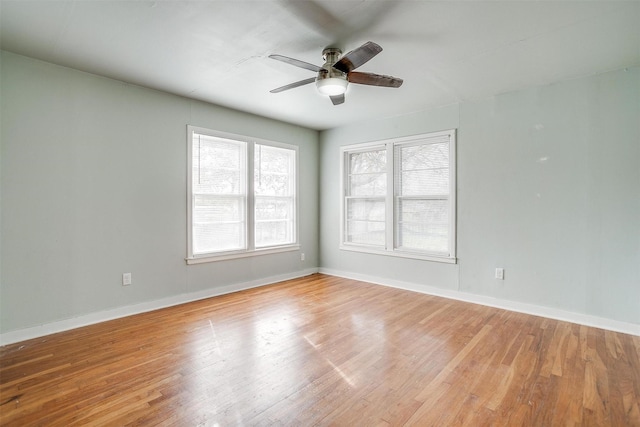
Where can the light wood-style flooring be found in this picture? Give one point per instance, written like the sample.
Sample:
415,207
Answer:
323,350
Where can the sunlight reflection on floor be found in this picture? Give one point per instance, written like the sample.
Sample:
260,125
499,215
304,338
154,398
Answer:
337,369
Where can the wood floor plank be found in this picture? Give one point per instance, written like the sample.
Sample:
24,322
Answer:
323,350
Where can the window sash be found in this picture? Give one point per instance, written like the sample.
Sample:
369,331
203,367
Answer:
421,190
274,196
219,194
364,209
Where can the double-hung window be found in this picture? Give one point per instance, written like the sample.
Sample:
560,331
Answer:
399,197
242,196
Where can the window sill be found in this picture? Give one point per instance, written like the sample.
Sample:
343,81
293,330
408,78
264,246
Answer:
397,254
244,254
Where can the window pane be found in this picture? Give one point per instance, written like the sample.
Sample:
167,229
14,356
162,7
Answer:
366,233
424,169
213,237
268,208
366,221
274,221
430,156
267,184
271,233
367,173
368,185
273,171
366,209
207,209
423,225
368,162
217,165
420,182
274,159
218,223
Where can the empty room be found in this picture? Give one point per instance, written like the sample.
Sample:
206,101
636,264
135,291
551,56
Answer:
299,213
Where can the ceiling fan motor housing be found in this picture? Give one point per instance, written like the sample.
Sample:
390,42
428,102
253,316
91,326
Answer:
330,81
331,55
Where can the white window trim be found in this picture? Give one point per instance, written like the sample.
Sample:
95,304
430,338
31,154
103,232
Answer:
390,202
201,259
251,249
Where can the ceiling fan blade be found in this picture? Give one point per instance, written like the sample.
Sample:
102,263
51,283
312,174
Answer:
296,62
337,99
292,85
374,79
357,57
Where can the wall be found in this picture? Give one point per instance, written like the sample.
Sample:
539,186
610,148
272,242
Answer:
94,185
548,188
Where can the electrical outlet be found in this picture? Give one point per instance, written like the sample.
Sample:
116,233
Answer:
302,257
500,273
126,279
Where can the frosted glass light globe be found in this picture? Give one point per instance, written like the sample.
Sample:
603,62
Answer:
332,86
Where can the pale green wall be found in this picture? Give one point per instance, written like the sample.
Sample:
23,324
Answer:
94,185
548,188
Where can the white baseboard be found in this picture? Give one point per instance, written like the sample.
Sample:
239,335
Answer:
116,313
103,316
536,310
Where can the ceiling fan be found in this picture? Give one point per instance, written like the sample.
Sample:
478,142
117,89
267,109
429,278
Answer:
337,72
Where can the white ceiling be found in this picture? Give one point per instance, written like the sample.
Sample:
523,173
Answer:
217,51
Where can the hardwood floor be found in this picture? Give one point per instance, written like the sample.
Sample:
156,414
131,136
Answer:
322,350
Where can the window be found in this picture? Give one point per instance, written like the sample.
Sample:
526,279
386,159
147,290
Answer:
242,196
399,197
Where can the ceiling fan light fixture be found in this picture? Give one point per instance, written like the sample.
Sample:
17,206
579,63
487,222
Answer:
332,86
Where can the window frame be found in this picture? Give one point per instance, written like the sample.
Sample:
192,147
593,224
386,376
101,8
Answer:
391,199
250,250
